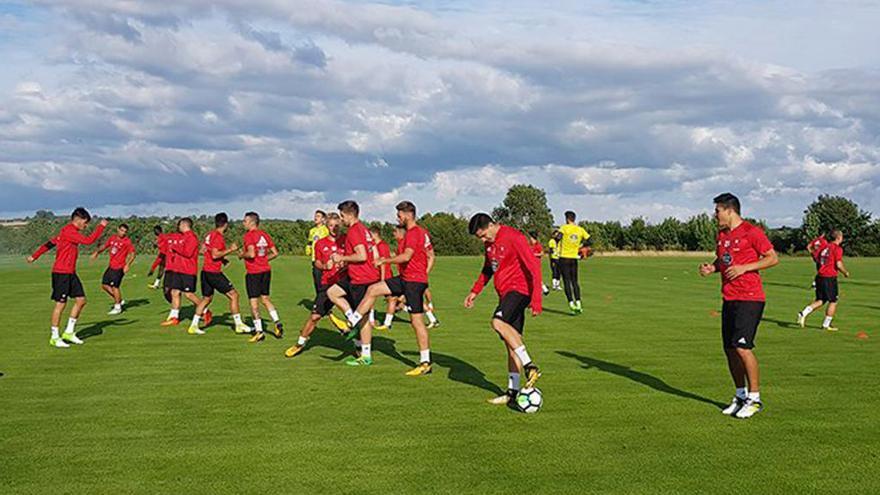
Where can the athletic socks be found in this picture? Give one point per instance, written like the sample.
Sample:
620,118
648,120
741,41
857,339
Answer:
71,325
195,322
372,317
431,317
274,314
258,325
117,307
301,341
523,355
366,350
237,319
174,313
353,317
807,311
55,334
513,382
389,318
741,393
755,396
827,322
425,355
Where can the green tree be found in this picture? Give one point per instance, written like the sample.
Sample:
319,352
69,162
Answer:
525,208
699,233
836,212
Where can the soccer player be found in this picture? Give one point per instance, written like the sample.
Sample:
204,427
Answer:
538,250
814,247
383,250
161,258
830,261
257,252
395,303
65,282
553,254
122,255
412,283
331,273
573,237
183,265
213,280
359,254
316,233
517,276
742,250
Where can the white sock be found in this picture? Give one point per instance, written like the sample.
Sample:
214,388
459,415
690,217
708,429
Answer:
430,307
389,318
742,393
755,395
425,355
71,324
513,381
366,349
431,317
544,287
237,319
117,307
195,322
174,313
122,303
157,282
55,332
274,314
523,355
258,325
827,322
353,317
301,341
807,310
373,316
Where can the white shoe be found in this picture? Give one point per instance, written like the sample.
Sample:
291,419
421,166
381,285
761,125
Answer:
115,311
735,405
749,409
72,338
195,331
57,342
122,303
802,320
501,400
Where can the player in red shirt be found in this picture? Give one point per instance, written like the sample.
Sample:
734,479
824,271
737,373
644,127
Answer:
182,267
742,249
517,274
359,255
538,251
213,280
122,255
159,262
65,283
257,252
829,260
331,272
383,250
411,283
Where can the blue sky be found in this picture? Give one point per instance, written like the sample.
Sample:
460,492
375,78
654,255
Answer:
616,108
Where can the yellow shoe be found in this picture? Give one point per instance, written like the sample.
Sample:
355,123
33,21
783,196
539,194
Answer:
293,351
532,374
195,331
258,337
339,323
421,369
830,329
383,328
243,329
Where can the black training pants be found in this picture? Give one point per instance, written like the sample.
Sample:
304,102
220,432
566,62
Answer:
568,267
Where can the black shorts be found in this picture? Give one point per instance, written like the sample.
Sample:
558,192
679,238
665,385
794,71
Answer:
215,281
512,310
66,285
323,305
167,278
826,289
414,292
258,284
112,277
354,293
739,323
316,278
181,281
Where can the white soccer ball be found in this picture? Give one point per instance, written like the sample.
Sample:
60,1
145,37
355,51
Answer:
529,400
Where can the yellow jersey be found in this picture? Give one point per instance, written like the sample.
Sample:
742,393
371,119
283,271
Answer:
315,235
573,237
553,249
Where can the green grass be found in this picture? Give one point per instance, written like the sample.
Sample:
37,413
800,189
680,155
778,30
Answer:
631,391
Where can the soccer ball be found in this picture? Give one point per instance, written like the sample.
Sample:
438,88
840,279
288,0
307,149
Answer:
529,400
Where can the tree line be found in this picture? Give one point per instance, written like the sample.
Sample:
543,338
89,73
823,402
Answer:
524,207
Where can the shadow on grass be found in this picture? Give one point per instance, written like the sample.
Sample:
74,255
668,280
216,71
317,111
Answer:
462,371
333,340
860,282
552,311
306,303
783,324
96,329
637,376
134,303
785,284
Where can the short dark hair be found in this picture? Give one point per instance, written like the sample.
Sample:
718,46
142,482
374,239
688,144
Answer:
479,222
728,200
221,219
253,216
80,212
376,230
406,207
321,212
187,220
570,216
123,226
157,229
349,206
400,227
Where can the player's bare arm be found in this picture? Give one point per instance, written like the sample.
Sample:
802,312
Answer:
273,253
359,256
249,253
842,269
403,257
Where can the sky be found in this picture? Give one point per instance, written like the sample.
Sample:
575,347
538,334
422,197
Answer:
616,108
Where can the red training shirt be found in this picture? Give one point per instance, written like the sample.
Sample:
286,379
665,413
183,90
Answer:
324,249
214,240
185,253
385,252
364,272
743,245
262,244
66,245
515,267
419,241
827,260
119,249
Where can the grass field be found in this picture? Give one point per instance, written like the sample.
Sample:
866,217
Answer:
631,388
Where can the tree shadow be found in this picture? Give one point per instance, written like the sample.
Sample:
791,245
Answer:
868,306
783,324
555,311
637,376
134,303
306,303
857,282
96,329
462,372
786,284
